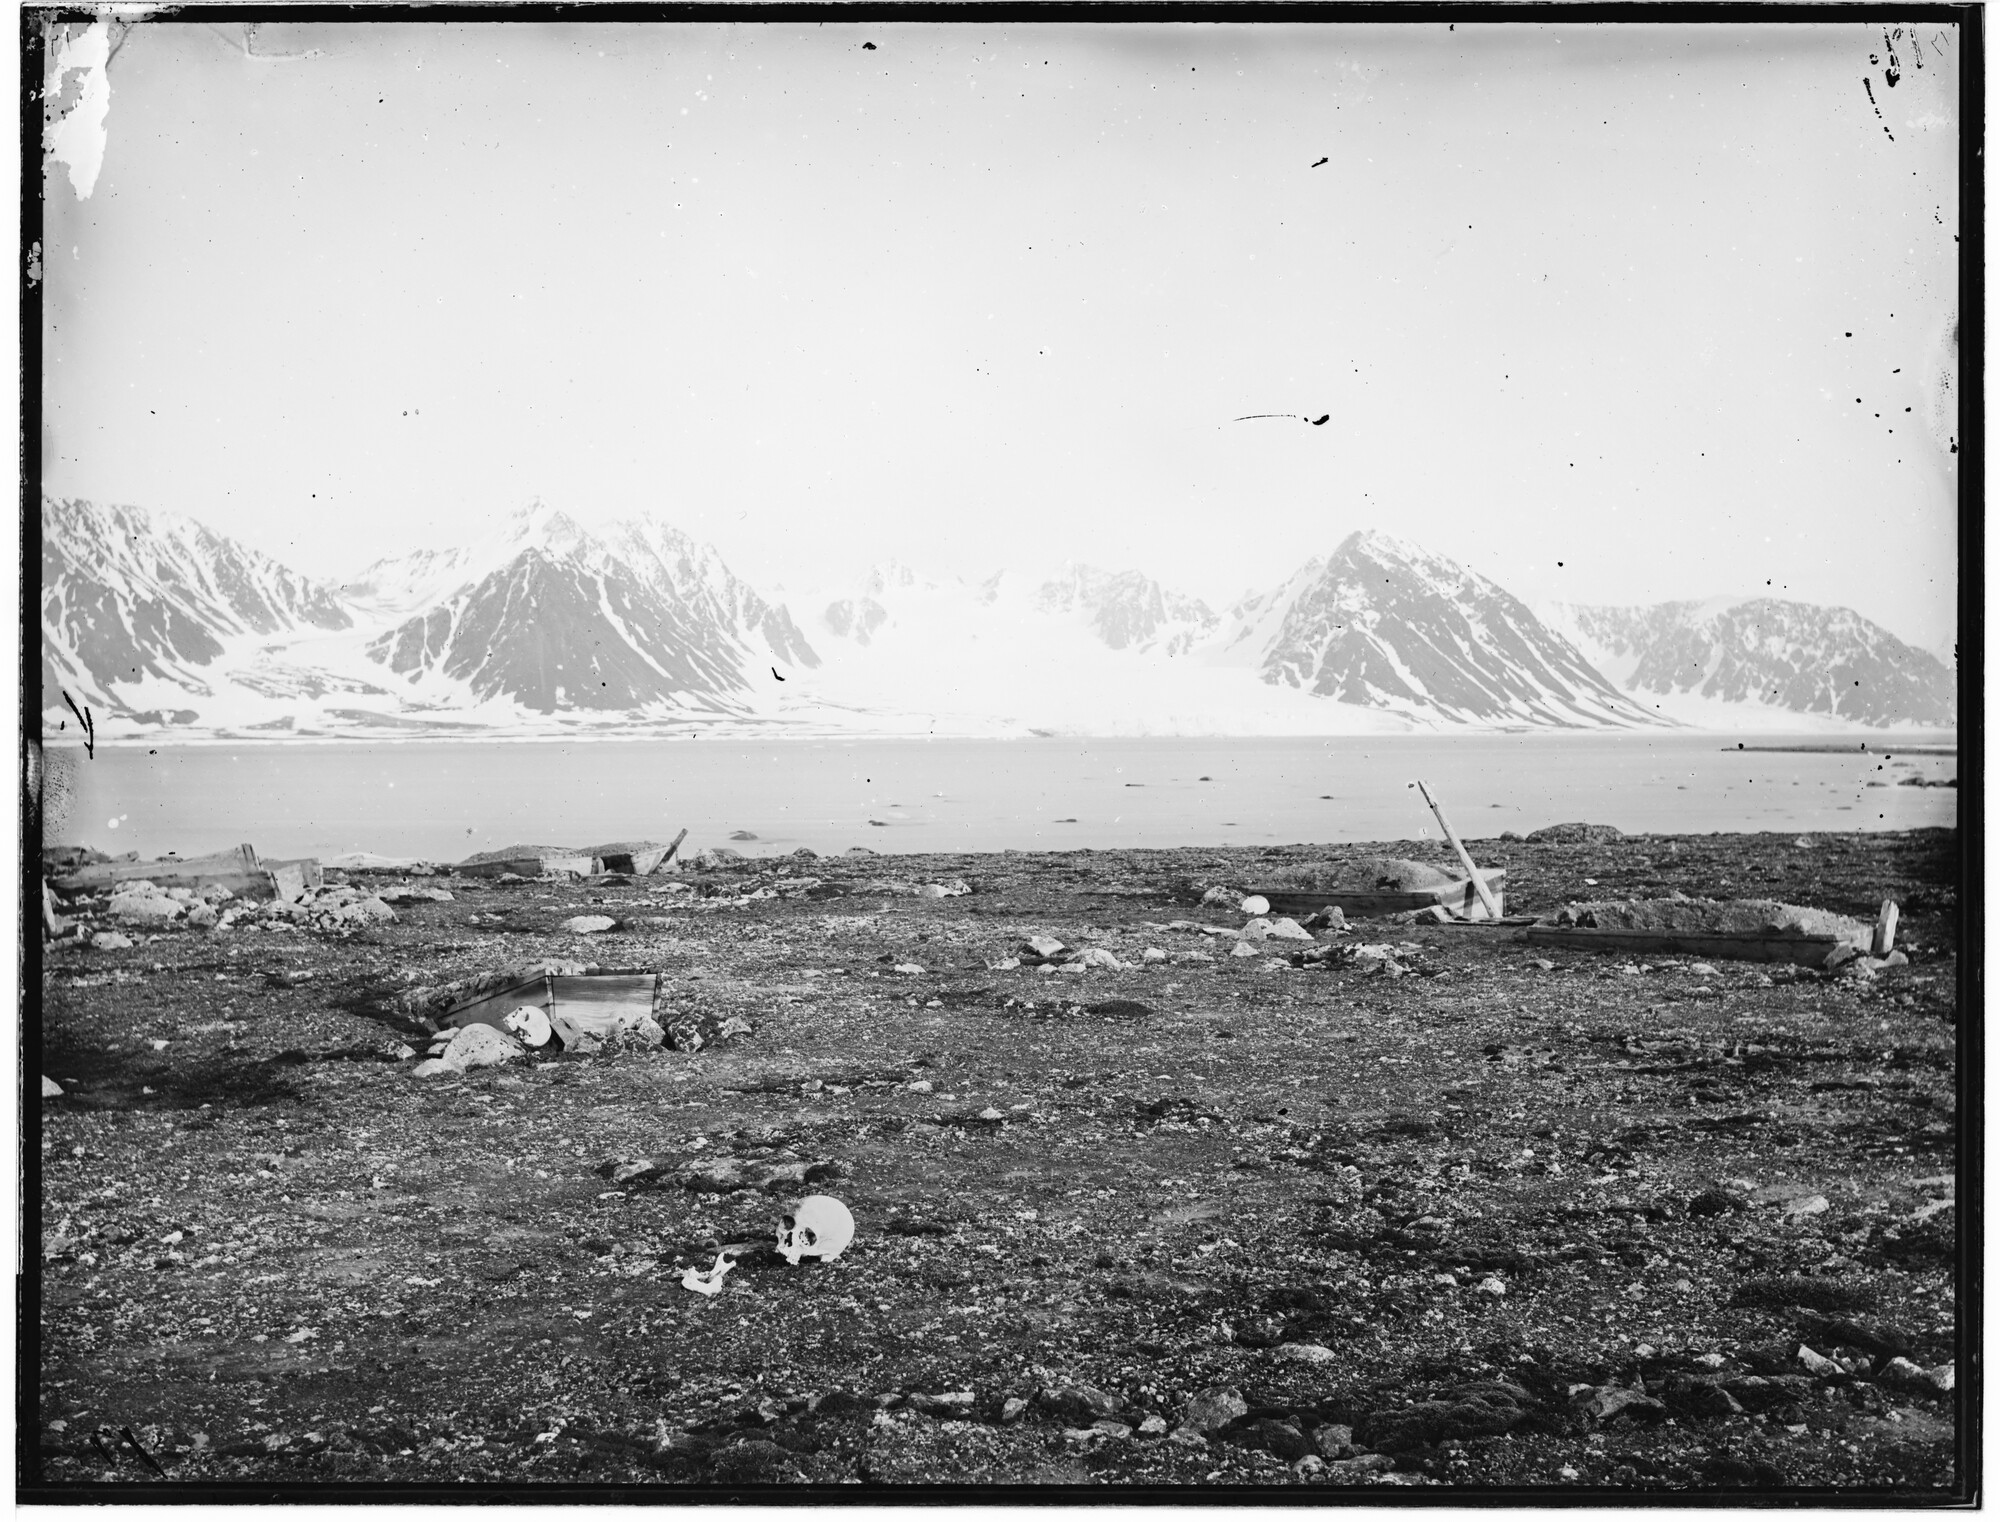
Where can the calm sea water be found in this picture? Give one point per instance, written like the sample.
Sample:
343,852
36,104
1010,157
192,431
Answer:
443,800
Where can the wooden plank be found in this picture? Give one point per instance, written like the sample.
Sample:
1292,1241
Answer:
1884,938
493,1006
1465,857
528,866
1806,951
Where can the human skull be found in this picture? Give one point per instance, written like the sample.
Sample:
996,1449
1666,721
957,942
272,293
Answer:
818,1226
529,1024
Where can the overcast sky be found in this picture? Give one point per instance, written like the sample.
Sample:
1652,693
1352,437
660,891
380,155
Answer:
1608,313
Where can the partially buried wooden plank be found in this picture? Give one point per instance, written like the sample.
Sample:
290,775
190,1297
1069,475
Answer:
1806,951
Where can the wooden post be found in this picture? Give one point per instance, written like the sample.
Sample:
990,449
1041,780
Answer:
670,851
1478,882
1885,929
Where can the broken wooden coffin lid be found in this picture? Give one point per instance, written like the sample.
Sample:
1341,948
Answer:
240,871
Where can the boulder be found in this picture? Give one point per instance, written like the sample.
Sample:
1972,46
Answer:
1213,1409
141,901
479,1046
1575,834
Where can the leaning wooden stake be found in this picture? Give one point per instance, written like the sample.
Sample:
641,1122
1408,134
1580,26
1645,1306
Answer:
1885,929
670,851
1478,882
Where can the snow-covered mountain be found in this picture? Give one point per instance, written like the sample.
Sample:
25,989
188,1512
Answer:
153,620
1755,660
549,616
1129,611
141,610
1382,623
545,626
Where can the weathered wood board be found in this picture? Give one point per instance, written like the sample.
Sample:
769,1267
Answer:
530,866
1739,946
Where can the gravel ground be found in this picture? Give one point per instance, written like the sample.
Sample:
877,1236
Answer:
1453,1213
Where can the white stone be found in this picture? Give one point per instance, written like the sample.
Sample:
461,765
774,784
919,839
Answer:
479,1046
50,1088
1256,903
587,924
1304,1352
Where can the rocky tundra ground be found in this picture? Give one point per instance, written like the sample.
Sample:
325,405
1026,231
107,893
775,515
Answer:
1450,1211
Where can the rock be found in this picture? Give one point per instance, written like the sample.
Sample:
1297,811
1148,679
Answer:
1289,930
1903,1374
1312,1464
908,969
1109,1428
1255,904
1305,1352
1097,956
1702,970
372,909
1222,896
1245,949
1334,1441
1493,1285
742,835
201,915
956,888
1042,947
430,1068
1079,1405
587,924
1360,1464
1817,1363
1214,1408
1152,954
1575,834
110,940
1279,1438
1608,1401
479,1046
50,1088
1012,1407
1795,1199
149,905
1153,1426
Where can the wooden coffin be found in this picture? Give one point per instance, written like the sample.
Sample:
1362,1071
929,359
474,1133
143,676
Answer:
1460,897
634,857
599,1003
